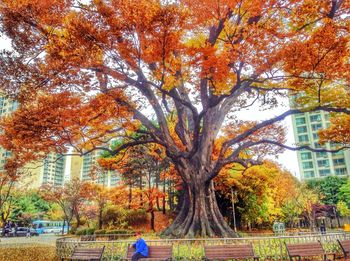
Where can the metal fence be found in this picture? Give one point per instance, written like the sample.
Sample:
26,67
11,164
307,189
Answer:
267,248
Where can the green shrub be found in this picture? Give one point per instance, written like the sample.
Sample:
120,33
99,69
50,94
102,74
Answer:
136,217
86,231
117,231
115,216
80,232
100,232
89,231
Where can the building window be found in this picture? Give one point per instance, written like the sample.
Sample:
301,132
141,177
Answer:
300,121
307,165
339,153
324,172
309,174
321,154
315,136
323,163
316,127
341,171
314,118
303,138
306,155
301,129
340,161
317,145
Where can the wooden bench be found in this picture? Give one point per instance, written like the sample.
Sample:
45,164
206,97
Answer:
224,252
87,253
345,247
311,249
154,252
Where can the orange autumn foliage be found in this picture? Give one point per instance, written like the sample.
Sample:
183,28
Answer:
303,40
339,130
53,121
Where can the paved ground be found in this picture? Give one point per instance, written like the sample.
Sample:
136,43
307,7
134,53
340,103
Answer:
42,239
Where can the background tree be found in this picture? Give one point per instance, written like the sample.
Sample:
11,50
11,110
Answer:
193,63
100,195
8,177
142,165
303,202
328,188
70,198
344,193
261,192
28,206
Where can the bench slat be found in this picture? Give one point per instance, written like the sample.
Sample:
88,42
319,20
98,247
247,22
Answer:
154,252
87,253
229,252
305,249
345,247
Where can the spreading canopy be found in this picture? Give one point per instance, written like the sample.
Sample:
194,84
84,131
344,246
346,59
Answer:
86,73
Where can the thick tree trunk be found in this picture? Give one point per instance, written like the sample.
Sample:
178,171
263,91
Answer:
199,214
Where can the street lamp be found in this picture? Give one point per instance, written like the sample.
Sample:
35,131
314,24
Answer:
233,210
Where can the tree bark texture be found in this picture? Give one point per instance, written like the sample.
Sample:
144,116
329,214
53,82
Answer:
199,214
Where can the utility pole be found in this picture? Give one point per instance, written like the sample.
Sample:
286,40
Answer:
233,211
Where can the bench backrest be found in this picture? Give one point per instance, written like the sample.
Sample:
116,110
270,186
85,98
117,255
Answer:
229,251
305,249
92,253
345,245
88,238
154,251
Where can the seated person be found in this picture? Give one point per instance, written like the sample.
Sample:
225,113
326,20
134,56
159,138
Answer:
141,248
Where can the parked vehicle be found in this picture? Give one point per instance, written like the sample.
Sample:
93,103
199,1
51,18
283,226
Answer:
22,232
50,227
7,231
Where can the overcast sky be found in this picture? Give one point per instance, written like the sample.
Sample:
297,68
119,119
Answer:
288,159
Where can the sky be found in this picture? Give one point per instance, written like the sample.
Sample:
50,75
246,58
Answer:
288,159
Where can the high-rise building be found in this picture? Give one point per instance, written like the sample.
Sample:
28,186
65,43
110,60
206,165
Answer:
86,168
49,171
6,107
317,164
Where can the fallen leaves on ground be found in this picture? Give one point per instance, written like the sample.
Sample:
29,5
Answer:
27,252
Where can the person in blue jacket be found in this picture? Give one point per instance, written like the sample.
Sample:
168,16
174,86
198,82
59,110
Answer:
141,248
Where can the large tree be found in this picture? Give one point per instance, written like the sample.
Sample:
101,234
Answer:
85,73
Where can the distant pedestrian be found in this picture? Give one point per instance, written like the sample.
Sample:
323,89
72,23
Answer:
7,230
28,232
16,228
